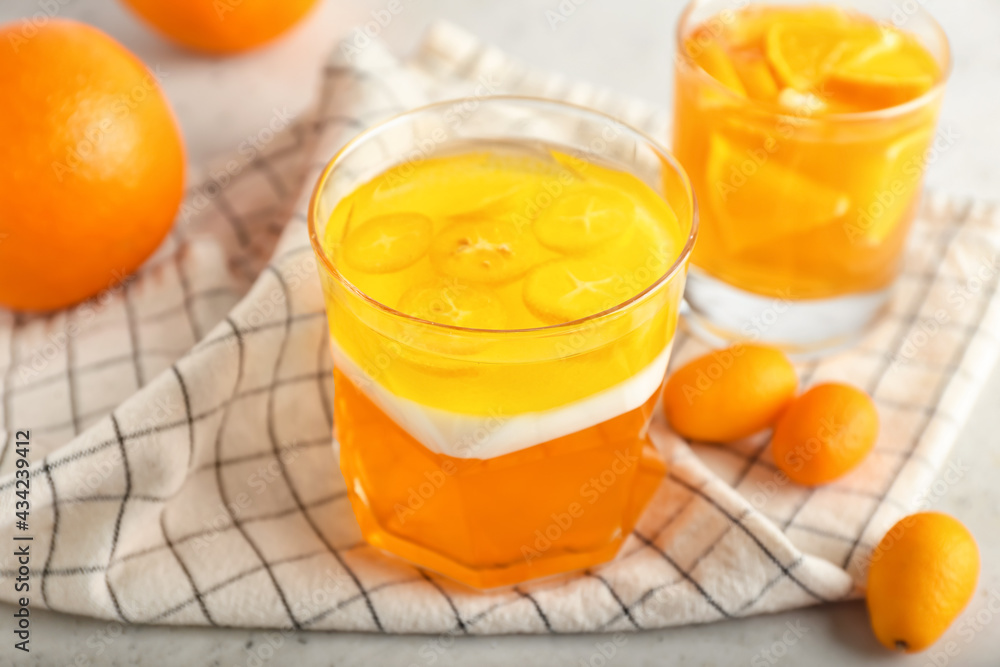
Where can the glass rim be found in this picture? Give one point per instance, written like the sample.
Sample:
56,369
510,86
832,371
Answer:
850,116
327,264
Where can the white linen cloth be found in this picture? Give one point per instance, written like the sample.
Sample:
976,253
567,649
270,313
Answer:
181,462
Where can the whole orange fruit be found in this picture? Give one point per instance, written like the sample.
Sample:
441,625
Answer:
93,164
729,394
221,26
922,574
825,433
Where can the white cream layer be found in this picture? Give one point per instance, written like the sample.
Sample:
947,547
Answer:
486,436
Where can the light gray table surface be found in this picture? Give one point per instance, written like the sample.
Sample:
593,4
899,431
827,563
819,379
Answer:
624,44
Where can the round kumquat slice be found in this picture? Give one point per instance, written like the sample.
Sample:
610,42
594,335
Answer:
580,221
483,251
388,243
450,302
571,289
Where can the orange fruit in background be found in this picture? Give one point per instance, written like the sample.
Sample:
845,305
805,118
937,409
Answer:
93,164
923,572
729,394
221,26
825,433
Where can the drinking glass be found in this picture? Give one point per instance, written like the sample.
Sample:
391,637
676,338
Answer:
804,215
497,456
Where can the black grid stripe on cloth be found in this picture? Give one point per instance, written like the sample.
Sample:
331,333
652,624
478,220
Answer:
241,362
188,303
121,513
71,385
197,594
685,574
187,411
55,533
133,334
626,612
459,622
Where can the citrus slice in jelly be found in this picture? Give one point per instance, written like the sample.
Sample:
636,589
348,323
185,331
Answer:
483,251
750,29
895,178
388,243
803,53
585,219
570,289
756,76
707,52
772,201
474,182
450,302
891,70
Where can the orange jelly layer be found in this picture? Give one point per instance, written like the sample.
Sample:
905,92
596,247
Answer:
797,200
562,505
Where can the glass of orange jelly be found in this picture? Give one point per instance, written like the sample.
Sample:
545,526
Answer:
502,278
805,129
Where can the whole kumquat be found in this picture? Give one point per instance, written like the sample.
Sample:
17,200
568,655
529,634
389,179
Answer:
923,573
825,433
729,394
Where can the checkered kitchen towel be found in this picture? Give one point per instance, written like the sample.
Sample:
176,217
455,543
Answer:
181,462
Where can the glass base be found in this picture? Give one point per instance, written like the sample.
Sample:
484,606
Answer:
722,315
563,505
